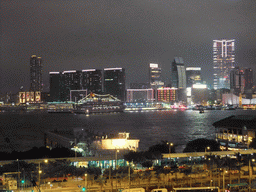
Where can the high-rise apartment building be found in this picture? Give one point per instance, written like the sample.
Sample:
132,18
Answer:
223,62
167,94
36,81
92,80
155,75
178,73
114,82
193,75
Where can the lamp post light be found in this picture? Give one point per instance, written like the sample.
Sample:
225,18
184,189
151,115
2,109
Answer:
18,174
224,171
117,151
207,149
85,181
170,145
39,172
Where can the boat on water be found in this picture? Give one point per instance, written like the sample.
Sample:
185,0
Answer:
96,103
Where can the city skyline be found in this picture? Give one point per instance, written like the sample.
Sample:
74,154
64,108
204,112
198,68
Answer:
83,35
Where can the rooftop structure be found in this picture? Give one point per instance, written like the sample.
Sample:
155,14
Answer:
121,142
235,132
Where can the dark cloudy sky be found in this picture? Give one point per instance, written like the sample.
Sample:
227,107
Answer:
82,34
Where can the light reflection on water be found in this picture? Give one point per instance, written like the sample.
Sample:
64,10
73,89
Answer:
26,130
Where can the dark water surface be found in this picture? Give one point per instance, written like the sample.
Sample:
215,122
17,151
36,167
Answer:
23,131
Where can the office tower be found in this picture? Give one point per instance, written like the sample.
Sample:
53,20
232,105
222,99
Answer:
178,73
237,82
223,62
248,78
193,75
114,82
72,81
36,82
92,80
56,86
155,75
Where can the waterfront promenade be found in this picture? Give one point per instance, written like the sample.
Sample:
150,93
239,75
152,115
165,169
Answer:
200,176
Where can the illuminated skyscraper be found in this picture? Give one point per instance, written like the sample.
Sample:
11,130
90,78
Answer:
193,75
72,81
155,75
248,77
223,62
56,86
237,82
36,82
114,82
92,80
178,73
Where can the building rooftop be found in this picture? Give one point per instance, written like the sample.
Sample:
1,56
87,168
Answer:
239,121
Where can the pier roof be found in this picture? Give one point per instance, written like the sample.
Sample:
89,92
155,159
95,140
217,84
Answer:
239,121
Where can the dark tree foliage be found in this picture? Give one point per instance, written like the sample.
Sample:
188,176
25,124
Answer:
154,152
136,157
39,153
253,143
63,152
58,168
94,171
163,147
199,145
147,164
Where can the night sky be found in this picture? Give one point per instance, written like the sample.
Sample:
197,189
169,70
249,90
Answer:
83,34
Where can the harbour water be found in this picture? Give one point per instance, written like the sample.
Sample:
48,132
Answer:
23,131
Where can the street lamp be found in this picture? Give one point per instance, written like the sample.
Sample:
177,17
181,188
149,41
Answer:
39,172
117,151
207,149
224,171
85,181
169,146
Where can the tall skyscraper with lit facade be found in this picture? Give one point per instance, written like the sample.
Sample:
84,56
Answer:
92,80
155,75
193,75
248,78
178,73
36,81
237,82
56,86
223,62
114,82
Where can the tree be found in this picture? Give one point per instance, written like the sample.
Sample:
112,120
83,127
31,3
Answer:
94,173
253,143
147,164
148,176
163,147
200,145
136,157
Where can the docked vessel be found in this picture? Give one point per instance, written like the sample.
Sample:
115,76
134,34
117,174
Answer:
95,103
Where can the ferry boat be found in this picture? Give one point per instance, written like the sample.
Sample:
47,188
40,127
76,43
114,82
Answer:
96,103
